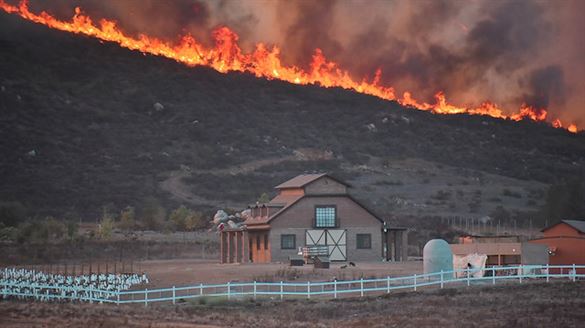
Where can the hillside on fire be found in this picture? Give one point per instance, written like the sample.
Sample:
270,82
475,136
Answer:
86,124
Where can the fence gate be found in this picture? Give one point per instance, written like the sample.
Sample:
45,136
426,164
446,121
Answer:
336,240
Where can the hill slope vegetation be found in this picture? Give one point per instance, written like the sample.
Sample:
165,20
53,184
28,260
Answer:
85,124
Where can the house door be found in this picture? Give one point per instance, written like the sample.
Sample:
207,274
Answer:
336,240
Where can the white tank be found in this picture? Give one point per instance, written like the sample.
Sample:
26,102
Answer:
437,256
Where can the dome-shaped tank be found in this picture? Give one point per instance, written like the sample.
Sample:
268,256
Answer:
437,256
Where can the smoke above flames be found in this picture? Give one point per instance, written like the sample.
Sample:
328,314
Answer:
508,52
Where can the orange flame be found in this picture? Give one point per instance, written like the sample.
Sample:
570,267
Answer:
263,62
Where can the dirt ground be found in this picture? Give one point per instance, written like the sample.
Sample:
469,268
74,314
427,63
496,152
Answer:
166,273
556,304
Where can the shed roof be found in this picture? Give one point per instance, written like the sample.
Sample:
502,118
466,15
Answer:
304,179
578,225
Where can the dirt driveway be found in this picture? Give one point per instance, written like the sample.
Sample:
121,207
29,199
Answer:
166,273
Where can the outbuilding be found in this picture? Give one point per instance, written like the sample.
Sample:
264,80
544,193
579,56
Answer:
566,243
314,212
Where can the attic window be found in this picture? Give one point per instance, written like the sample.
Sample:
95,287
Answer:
325,217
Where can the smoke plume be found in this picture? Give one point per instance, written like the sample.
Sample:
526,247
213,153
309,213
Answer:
509,52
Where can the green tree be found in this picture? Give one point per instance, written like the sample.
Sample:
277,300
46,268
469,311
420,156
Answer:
179,218
185,219
105,228
72,229
264,198
153,215
195,220
55,229
33,231
106,225
127,219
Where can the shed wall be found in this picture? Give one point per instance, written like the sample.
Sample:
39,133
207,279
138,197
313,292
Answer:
325,185
299,218
534,254
561,229
569,250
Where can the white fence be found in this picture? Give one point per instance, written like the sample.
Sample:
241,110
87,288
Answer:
280,290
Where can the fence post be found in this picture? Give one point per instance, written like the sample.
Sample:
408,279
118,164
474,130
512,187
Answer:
520,274
335,288
468,281
118,297
415,282
308,289
441,279
281,290
228,290
574,272
201,289
547,272
387,284
362,287
146,297
254,289
493,276
174,294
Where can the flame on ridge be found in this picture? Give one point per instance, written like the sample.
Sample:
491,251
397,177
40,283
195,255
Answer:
263,62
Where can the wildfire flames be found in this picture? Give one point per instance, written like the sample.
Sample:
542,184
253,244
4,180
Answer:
263,62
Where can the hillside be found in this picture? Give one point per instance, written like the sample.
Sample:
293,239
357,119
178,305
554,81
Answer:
86,124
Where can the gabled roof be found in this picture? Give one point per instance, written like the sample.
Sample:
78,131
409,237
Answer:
288,200
304,179
577,224
296,199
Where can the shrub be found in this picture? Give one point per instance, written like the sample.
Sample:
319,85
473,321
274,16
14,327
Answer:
510,193
12,213
9,234
442,195
41,231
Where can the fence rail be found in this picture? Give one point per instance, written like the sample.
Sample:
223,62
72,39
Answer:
328,289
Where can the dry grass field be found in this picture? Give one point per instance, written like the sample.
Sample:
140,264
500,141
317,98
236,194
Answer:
556,304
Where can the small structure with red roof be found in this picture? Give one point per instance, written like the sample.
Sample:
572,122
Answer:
566,242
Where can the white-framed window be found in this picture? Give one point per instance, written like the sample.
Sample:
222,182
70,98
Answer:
288,242
325,216
364,241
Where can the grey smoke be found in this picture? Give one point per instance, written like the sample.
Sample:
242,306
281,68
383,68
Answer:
507,51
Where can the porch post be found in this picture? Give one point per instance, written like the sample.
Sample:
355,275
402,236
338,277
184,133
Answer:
229,247
245,247
221,247
236,247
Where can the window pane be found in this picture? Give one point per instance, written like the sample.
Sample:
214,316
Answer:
287,241
364,241
325,217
